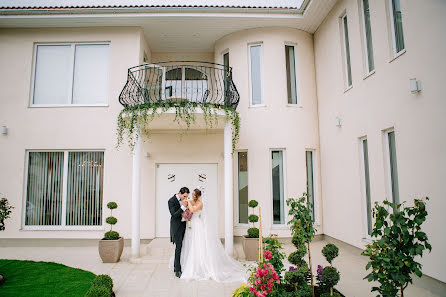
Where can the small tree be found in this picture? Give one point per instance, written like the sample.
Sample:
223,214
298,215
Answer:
5,212
329,276
253,232
397,240
301,211
111,235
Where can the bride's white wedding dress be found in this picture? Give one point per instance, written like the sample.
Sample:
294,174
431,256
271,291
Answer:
203,256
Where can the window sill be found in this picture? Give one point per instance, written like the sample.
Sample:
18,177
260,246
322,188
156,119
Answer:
61,228
66,105
294,105
367,240
280,227
369,74
348,89
257,106
397,55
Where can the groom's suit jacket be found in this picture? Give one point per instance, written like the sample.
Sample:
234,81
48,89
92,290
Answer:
177,227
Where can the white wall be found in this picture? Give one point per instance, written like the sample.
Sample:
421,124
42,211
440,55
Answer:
378,102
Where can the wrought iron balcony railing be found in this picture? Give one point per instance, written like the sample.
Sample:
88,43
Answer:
180,82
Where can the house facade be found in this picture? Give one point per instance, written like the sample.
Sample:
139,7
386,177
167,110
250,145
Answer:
340,99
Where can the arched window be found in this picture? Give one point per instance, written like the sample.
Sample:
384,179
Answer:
184,83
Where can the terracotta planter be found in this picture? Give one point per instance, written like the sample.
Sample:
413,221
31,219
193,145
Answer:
251,248
111,250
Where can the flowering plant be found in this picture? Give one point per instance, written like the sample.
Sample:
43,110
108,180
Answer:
262,281
187,214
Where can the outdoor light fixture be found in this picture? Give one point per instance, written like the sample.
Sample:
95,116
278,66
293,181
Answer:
338,122
148,155
415,85
4,130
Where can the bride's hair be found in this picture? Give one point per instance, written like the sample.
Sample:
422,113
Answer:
197,193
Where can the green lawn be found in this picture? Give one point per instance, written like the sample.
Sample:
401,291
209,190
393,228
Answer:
29,278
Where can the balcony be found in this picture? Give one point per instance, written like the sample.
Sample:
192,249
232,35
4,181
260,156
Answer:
180,82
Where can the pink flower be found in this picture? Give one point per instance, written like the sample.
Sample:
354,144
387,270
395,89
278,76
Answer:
269,284
257,282
264,272
267,254
275,276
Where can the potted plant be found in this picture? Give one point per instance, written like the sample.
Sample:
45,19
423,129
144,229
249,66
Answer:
111,246
251,241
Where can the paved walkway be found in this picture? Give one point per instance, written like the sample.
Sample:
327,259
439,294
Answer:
150,275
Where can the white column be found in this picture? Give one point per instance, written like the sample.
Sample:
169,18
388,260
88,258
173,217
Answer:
229,228
136,197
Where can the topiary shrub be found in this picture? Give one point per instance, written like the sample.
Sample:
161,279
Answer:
253,232
111,235
103,280
98,291
330,251
329,276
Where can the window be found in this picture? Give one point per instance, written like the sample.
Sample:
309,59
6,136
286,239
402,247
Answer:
310,180
185,83
367,30
278,187
227,78
243,187
393,170
396,26
366,179
64,189
255,53
291,73
71,74
348,68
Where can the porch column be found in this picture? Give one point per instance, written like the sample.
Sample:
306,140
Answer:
136,197
229,228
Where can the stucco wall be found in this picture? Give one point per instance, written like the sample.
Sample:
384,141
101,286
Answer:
378,102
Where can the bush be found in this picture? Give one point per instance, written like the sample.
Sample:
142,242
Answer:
330,251
111,235
253,203
112,205
253,218
330,276
98,291
5,212
242,291
103,280
335,294
253,233
274,246
111,220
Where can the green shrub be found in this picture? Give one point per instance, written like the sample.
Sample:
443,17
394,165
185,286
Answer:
253,203
5,212
111,235
98,291
112,205
103,280
253,233
111,220
253,218
330,251
273,245
330,276
335,294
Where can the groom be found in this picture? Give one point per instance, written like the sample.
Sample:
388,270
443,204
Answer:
178,204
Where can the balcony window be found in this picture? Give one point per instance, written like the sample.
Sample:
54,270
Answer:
255,53
70,74
291,74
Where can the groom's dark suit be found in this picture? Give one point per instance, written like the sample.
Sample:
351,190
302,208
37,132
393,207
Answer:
177,229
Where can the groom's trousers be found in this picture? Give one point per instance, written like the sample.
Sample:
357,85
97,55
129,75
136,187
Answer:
178,240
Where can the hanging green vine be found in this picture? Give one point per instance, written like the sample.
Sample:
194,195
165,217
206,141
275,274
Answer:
138,118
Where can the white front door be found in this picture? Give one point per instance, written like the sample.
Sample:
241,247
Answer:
171,177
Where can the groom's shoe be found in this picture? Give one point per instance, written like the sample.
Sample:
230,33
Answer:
178,274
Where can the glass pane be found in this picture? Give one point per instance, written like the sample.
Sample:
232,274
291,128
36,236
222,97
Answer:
44,188
367,186
277,175
368,35
84,188
291,74
243,187
256,74
52,74
91,68
398,25
174,74
347,53
393,168
194,74
227,78
310,184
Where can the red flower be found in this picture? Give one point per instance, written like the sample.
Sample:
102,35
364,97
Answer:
267,254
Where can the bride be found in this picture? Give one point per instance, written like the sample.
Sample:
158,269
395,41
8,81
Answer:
203,256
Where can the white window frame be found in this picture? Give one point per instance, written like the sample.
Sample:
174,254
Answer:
367,236
285,191
315,185
237,223
63,226
71,70
298,102
344,44
388,174
261,75
364,35
392,30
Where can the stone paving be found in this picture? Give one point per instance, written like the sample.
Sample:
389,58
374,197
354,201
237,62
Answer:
150,275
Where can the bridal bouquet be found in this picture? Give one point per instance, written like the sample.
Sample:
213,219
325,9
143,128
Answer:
187,214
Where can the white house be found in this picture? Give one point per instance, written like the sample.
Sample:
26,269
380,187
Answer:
342,99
